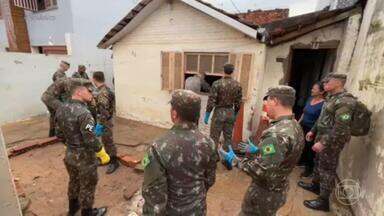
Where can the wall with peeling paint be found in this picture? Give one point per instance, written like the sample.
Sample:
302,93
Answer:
175,27
23,78
363,158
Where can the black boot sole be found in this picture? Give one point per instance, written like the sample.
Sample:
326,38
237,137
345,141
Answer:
315,191
325,209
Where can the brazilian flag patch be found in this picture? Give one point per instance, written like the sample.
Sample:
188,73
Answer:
268,149
345,117
145,161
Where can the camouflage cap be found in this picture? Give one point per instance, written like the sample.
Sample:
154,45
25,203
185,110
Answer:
285,94
186,98
342,77
187,105
81,67
76,82
229,68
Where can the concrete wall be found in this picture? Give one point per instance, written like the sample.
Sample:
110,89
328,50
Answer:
50,27
363,158
23,78
89,27
8,199
176,27
275,71
3,36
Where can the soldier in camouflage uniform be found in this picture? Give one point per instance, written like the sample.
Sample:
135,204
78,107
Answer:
105,104
55,95
333,130
225,97
180,167
81,72
278,151
75,126
60,73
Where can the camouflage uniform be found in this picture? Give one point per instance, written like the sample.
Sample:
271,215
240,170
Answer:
80,75
333,131
280,149
225,97
75,126
59,74
180,167
105,104
55,95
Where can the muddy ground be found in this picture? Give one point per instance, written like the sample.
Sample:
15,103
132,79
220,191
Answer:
42,175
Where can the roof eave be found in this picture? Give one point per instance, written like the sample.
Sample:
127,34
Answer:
265,37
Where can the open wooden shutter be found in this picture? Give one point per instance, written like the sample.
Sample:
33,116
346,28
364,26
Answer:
243,69
172,70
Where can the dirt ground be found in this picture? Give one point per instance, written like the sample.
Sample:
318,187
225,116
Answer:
42,175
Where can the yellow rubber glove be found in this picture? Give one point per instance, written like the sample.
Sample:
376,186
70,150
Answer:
103,156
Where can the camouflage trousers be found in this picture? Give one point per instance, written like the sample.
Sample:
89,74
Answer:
325,169
259,201
82,171
52,122
107,139
223,120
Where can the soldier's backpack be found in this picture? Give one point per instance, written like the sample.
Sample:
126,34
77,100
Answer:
361,119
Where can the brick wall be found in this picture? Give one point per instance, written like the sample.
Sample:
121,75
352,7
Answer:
264,16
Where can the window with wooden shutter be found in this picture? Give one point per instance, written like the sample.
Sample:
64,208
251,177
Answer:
172,70
243,70
165,70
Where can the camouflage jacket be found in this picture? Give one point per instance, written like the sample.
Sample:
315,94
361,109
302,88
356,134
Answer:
58,75
56,93
80,75
179,168
280,148
225,92
105,104
334,124
75,125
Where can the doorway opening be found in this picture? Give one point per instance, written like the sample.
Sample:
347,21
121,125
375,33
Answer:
308,66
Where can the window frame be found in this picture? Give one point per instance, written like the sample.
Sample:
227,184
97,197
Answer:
199,54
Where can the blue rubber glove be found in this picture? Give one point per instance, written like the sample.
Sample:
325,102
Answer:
206,118
99,130
248,147
228,157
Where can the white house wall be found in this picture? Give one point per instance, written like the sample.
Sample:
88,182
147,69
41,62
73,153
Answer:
275,71
362,159
49,27
173,27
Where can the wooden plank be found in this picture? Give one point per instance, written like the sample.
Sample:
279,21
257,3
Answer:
246,67
165,70
178,71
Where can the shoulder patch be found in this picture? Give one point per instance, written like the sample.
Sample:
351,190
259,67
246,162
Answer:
145,161
345,117
268,149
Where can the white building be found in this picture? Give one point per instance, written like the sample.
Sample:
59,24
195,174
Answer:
70,28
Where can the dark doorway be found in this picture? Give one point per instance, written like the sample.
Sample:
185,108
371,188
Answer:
308,66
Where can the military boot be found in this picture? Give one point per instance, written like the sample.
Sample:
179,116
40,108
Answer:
318,204
313,187
74,206
113,165
94,212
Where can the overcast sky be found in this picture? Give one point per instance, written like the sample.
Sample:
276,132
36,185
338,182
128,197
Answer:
244,5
